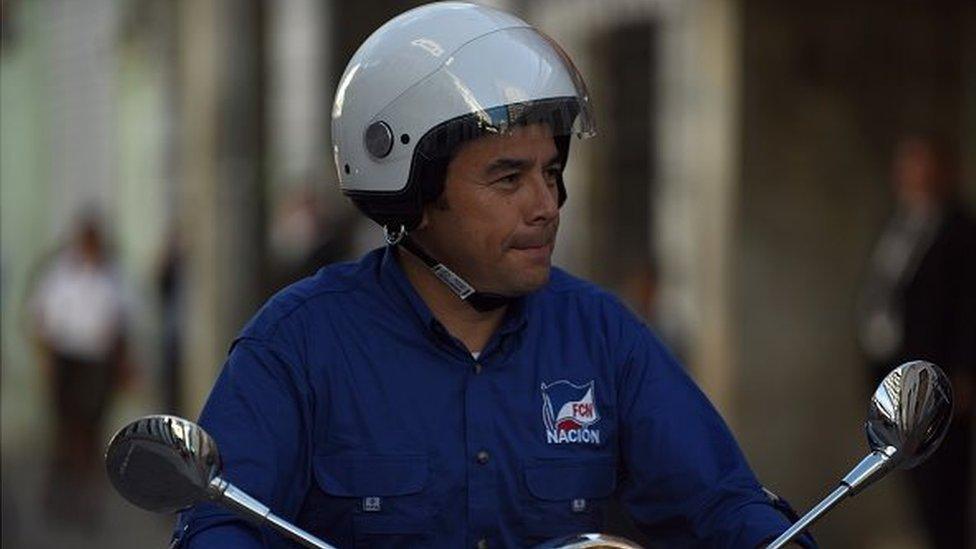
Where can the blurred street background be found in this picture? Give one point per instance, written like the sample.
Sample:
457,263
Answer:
173,159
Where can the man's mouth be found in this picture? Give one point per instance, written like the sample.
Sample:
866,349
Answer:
536,249
540,249
535,242
533,246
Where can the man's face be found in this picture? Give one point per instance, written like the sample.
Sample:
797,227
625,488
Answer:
495,224
920,177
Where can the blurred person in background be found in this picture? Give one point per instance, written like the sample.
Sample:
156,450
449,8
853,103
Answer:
919,303
79,323
305,237
170,282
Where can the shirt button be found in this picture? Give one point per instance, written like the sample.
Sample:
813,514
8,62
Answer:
477,368
482,458
482,544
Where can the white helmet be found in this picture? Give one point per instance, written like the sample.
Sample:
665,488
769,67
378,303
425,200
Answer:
432,78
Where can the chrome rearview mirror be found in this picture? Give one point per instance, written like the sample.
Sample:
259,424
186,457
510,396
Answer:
910,411
162,463
908,417
165,463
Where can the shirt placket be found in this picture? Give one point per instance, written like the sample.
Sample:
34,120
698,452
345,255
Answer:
481,447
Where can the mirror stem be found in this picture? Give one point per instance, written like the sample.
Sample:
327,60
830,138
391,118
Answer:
826,505
236,499
869,470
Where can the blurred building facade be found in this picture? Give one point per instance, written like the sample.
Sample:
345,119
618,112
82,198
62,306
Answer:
732,194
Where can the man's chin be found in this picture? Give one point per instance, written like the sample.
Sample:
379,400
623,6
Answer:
533,281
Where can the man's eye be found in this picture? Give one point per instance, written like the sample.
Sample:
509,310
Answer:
508,179
553,173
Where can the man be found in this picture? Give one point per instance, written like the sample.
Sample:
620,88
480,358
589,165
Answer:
919,302
482,398
79,324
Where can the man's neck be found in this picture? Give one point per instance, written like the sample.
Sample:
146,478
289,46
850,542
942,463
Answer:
474,328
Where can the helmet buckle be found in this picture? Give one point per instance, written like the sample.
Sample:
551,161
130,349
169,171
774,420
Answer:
394,238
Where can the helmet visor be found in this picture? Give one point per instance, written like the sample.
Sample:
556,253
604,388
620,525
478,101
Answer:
508,78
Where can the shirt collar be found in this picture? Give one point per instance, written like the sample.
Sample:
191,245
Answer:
392,275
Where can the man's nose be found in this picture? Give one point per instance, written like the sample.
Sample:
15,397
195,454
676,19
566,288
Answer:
544,204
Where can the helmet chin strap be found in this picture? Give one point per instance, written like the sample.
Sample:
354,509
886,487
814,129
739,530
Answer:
479,301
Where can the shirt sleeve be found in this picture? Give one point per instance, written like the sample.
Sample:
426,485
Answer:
685,481
258,413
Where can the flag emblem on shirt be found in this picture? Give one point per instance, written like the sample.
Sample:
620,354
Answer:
568,411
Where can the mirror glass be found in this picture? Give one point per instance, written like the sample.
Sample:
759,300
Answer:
910,411
162,463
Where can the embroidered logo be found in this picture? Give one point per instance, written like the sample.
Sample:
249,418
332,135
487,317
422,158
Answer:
568,411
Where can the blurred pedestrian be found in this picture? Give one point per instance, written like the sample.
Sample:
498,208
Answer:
307,235
919,302
80,327
171,292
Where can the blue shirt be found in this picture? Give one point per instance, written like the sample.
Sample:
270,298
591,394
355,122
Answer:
346,407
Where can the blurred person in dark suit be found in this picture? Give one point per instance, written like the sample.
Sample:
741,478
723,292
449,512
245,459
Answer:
80,326
170,282
307,235
919,302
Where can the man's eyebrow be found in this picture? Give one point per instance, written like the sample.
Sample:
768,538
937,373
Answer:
506,164
553,160
518,164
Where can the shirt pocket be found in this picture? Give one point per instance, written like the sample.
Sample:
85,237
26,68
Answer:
388,495
566,496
